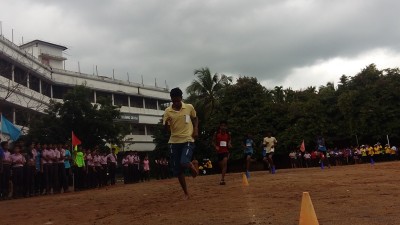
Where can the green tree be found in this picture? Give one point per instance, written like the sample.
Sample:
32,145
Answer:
94,124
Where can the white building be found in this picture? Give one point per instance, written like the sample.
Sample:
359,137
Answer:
32,74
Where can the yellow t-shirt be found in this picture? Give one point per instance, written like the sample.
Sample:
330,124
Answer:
377,150
388,150
370,151
181,123
363,152
269,142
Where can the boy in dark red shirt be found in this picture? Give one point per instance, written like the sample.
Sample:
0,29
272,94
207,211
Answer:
222,143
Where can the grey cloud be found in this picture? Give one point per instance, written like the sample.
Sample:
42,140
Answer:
169,39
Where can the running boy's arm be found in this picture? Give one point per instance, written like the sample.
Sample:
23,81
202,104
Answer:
195,122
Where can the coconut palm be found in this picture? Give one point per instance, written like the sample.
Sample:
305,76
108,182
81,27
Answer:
204,90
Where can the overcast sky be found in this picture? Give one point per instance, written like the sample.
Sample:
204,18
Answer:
296,43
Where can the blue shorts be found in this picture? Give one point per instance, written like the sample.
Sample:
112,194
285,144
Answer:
265,154
181,155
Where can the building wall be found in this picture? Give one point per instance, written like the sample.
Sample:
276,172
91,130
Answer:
49,78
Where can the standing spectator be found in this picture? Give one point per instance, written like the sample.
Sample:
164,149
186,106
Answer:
79,170
67,166
307,159
131,169
104,169
17,161
125,167
55,155
97,168
314,158
46,162
292,157
299,159
157,162
146,169
1,172
5,187
393,152
30,170
112,165
90,170
363,151
39,178
136,167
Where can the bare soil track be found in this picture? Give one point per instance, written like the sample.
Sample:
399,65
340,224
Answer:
358,194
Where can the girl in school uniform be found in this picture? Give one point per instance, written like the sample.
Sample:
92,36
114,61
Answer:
103,173
47,156
125,168
17,162
97,168
30,170
90,169
146,168
5,187
62,177
55,155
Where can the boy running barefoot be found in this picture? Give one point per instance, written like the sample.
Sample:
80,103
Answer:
181,120
269,143
248,144
222,143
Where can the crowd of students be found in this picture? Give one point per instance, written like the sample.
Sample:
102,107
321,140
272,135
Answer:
344,156
35,169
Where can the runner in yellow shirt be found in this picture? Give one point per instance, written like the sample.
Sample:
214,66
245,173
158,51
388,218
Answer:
181,120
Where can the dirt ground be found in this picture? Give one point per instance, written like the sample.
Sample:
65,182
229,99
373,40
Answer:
358,194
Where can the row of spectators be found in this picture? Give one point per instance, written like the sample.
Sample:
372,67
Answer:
36,169
345,156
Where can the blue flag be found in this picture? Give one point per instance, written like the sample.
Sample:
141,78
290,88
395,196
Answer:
8,128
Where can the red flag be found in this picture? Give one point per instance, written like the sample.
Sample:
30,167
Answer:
302,146
75,140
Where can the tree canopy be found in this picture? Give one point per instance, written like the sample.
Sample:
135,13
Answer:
94,124
363,108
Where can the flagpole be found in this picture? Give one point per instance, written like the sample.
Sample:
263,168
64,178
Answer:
387,137
1,125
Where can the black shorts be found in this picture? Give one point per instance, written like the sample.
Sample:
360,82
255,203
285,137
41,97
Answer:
221,156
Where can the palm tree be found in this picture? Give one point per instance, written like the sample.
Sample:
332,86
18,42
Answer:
205,89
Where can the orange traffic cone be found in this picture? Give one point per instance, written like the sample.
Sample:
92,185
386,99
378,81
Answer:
244,180
307,212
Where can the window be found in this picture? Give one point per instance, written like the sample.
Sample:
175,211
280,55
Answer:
102,95
60,91
22,116
136,102
121,100
34,83
20,76
163,104
46,89
150,103
5,69
137,129
151,128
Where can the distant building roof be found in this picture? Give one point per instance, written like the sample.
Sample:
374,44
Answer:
34,42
